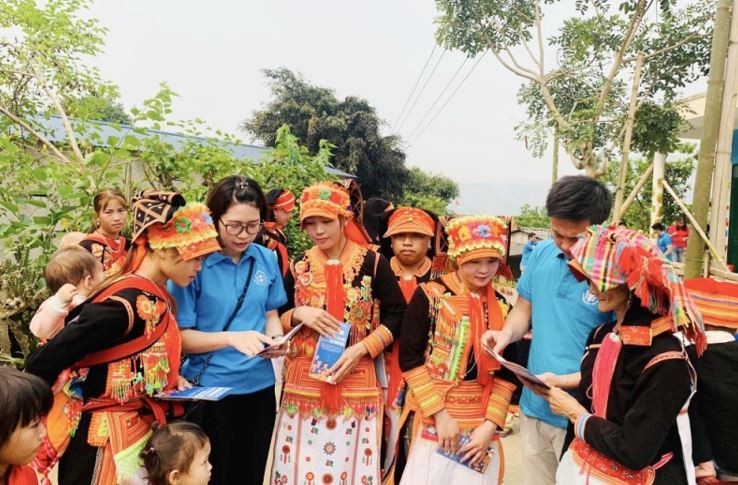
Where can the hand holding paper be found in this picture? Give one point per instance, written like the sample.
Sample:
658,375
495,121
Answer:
526,377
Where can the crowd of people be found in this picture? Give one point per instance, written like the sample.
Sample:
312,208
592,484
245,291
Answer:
628,366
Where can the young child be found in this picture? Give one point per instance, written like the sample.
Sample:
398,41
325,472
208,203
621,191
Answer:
177,454
24,400
71,275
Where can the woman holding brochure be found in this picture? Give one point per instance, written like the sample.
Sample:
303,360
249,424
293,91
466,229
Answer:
459,395
630,424
227,315
329,429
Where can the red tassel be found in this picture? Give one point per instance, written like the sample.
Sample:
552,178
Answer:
335,295
604,368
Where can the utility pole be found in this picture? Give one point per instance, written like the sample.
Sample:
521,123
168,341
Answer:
706,160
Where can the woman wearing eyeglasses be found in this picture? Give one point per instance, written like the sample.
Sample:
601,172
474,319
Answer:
226,315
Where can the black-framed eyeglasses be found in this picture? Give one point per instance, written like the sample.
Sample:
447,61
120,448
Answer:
236,228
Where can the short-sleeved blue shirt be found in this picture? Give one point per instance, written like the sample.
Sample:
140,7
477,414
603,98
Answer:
663,242
564,312
207,302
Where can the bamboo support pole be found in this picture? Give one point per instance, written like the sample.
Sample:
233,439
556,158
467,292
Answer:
636,190
696,228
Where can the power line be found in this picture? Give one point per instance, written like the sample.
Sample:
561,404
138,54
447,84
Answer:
417,81
438,98
422,90
448,99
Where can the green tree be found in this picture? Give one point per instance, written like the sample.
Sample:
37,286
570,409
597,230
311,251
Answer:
351,125
532,217
429,191
677,173
583,94
98,108
47,187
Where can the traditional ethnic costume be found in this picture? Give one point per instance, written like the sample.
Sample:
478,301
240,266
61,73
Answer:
119,350
331,433
109,251
713,409
401,221
272,235
444,364
636,380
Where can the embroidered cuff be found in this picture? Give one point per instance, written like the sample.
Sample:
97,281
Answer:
424,391
499,401
580,425
286,319
377,341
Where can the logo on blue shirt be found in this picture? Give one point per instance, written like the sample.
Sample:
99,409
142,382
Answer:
589,298
260,278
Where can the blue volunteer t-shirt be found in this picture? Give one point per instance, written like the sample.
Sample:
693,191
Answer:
663,242
564,312
207,302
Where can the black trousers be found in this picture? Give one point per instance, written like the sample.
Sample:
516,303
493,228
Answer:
240,431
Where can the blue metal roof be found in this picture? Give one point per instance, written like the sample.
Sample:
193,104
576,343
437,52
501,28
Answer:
54,131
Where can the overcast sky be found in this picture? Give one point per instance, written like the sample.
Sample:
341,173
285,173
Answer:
212,54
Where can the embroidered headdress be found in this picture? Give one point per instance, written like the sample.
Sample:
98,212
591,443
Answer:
410,220
281,199
473,237
162,220
325,200
610,257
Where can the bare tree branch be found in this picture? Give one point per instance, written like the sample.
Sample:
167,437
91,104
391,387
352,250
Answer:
57,153
666,49
517,65
635,22
56,102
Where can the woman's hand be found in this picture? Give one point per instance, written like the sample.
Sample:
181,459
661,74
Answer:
565,381
478,443
348,361
318,319
448,431
183,383
563,404
249,342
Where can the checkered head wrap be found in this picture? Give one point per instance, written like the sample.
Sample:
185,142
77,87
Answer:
609,257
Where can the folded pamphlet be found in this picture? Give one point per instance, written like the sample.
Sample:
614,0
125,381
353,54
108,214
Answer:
279,342
328,351
196,394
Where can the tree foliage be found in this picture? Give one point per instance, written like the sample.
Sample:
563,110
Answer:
351,125
429,191
584,92
532,217
48,186
677,173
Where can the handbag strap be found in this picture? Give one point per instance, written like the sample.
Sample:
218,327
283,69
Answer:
239,303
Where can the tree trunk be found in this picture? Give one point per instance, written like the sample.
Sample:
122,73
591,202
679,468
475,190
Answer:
555,168
711,124
657,189
625,151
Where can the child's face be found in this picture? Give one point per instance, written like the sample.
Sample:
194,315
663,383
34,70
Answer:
199,472
21,448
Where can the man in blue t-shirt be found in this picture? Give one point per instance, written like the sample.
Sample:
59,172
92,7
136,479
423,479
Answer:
663,240
528,249
563,313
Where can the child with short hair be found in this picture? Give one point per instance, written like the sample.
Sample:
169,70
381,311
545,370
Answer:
177,454
24,400
71,275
